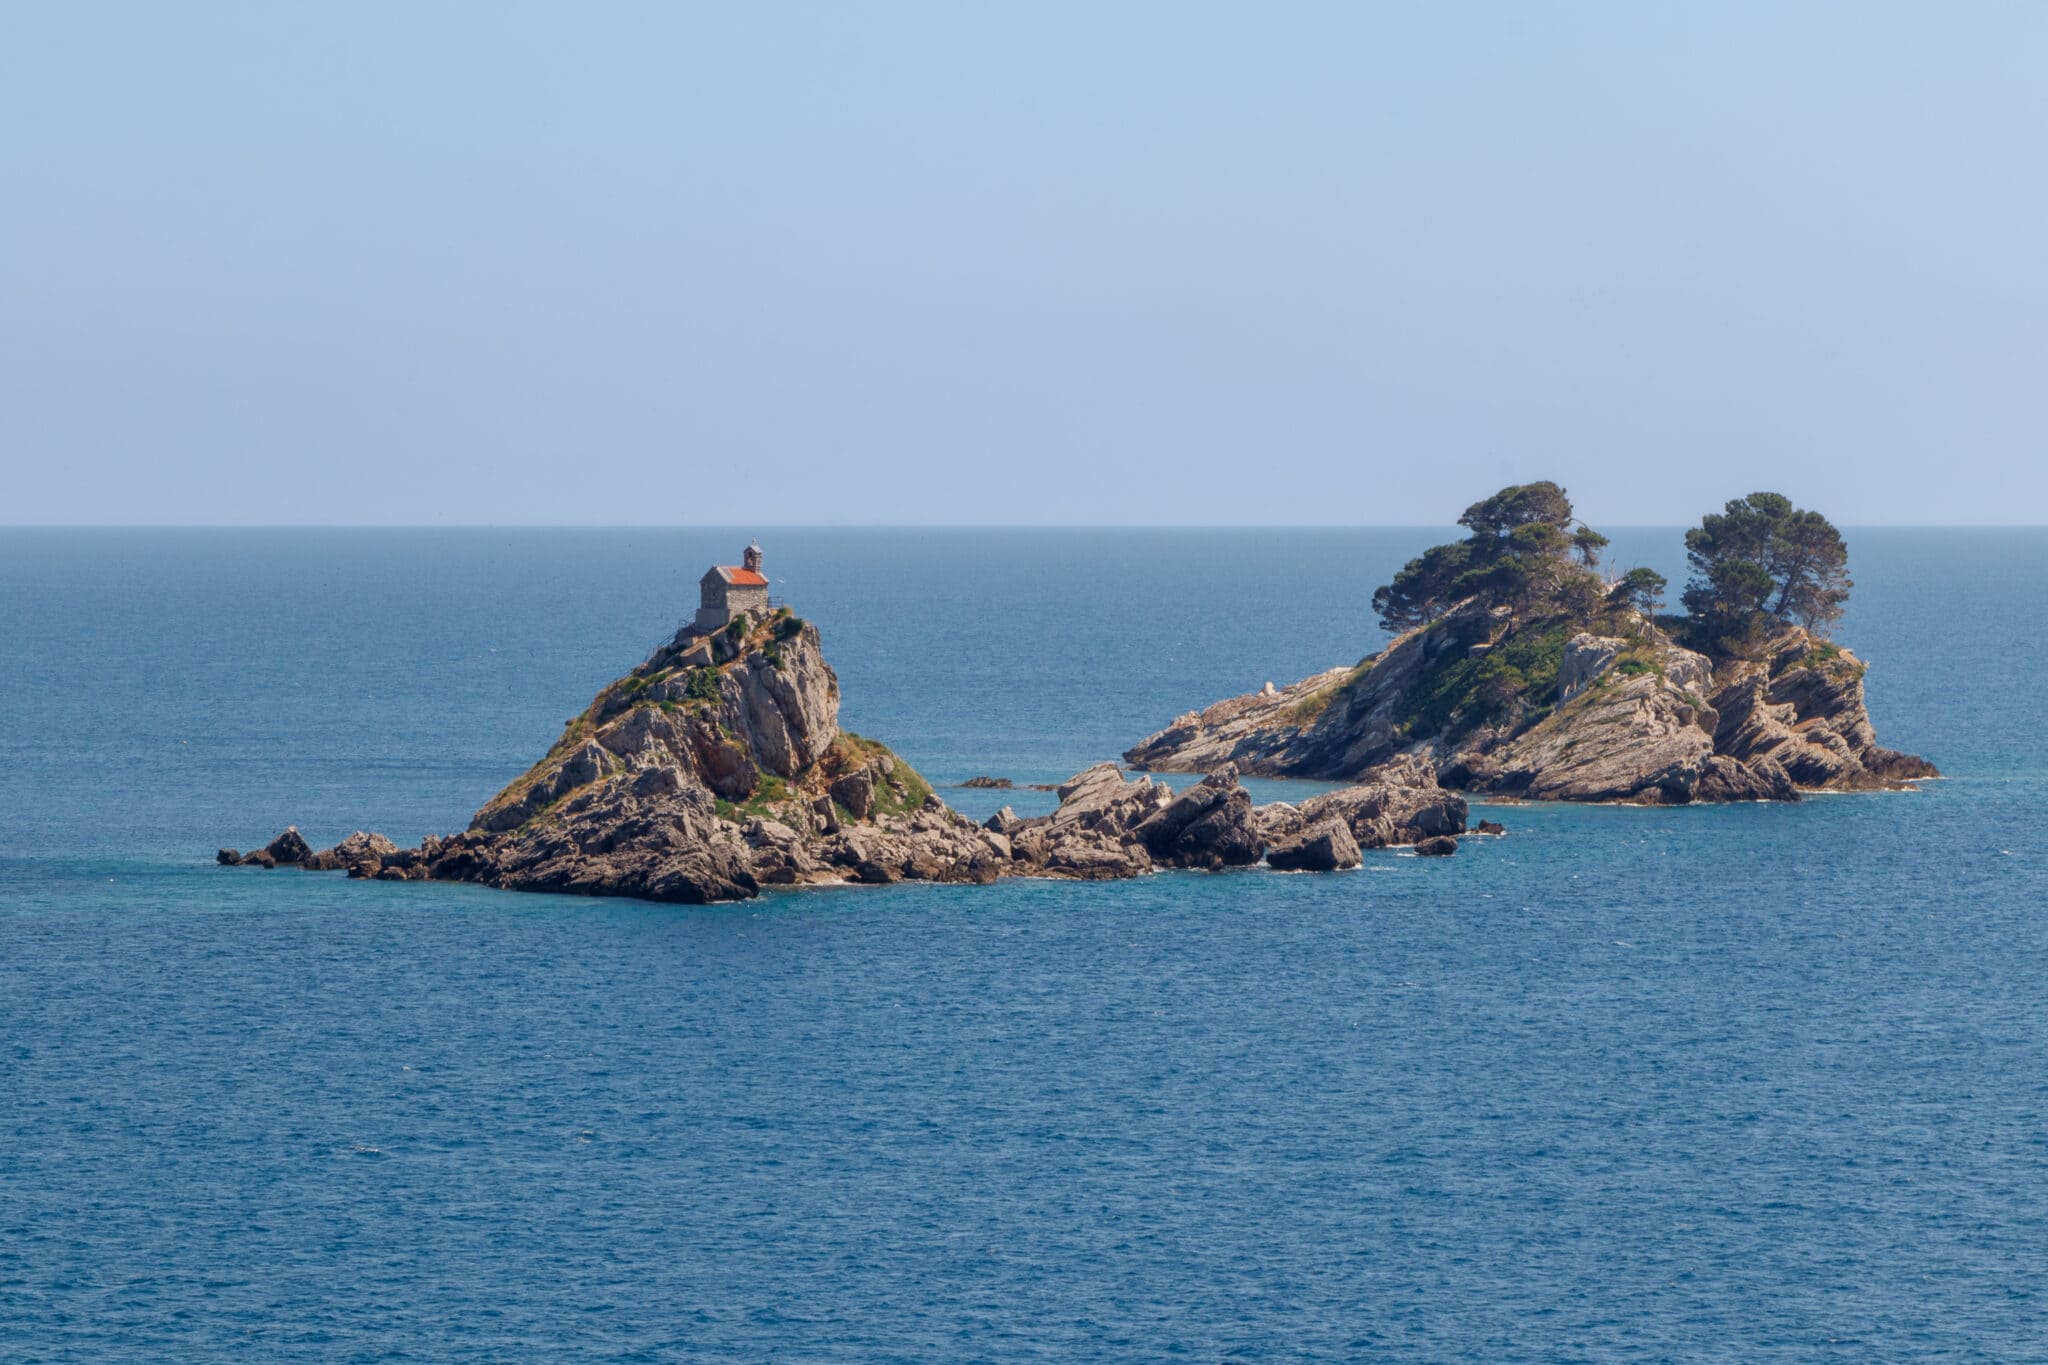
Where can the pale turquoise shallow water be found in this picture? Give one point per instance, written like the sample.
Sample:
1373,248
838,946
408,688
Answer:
1740,1083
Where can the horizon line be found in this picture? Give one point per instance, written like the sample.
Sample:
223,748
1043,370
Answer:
918,526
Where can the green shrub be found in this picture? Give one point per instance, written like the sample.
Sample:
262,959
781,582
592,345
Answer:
1463,689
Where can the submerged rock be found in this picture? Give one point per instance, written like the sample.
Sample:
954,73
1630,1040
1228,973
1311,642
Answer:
286,849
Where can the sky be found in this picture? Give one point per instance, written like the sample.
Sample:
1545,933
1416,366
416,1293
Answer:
961,263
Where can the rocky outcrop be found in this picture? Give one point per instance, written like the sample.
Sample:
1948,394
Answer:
1108,825
1638,739
361,855
1555,710
1326,847
658,841
1209,825
1795,709
288,849
1397,803
717,769
771,709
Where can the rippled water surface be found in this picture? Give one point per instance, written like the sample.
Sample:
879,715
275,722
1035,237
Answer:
1743,1083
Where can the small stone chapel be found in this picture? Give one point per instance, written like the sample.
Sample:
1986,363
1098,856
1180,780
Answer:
726,590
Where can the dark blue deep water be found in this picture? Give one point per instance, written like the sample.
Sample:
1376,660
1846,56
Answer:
1741,1084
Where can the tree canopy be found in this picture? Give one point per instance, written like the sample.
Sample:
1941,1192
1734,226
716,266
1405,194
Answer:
1641,589
1492,520
1518,554
1422,589
1761,557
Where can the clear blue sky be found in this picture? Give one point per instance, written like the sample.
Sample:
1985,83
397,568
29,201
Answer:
1024,263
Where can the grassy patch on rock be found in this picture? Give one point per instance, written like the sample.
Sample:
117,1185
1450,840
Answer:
1306,711
771,795
1463,689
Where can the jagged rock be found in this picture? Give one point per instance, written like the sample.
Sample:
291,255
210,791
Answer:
976,868
1633,739
989,783
826,814
770,706
1327,847
764,834
228,857
1761,779
1002,822
287,848
1091,787
856,792
1226,836
1489,827
358,848
1031,845
1586,657
1801,706
1209,825
1396,803
790,707
1100,798
1437,846
660,780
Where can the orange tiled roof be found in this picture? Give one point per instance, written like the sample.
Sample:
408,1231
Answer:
743,578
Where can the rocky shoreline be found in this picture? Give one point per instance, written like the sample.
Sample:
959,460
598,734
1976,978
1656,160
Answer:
717,769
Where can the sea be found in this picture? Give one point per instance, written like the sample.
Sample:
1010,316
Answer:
1762,1082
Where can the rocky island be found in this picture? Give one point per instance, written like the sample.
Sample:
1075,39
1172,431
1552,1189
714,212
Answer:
1519,669
717,768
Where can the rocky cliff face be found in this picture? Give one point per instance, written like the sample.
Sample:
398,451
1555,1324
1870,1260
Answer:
715,712
1609,709
718,768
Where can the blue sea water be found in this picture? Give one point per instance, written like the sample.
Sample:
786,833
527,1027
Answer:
1746,1083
